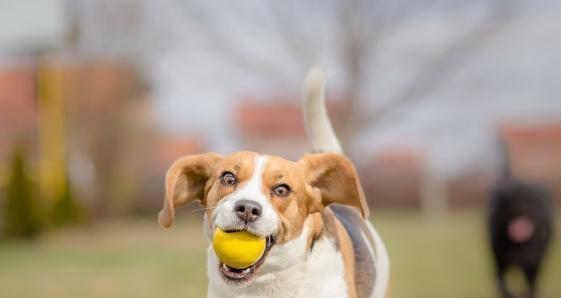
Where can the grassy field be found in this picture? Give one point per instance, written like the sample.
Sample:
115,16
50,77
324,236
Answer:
440,258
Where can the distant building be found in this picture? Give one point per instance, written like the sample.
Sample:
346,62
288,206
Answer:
18,112
393,178
469,189
171,148
535,152
396,177
400,177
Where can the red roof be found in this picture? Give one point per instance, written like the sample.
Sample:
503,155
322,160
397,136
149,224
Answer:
97,86
535,152
518,132
393,177
17,101
537,138
397,157
172,148
278,119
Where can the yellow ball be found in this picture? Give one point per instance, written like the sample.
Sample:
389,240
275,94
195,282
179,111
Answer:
238,249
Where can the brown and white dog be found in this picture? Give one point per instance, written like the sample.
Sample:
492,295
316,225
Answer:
312,212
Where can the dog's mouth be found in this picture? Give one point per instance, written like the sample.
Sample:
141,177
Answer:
239,277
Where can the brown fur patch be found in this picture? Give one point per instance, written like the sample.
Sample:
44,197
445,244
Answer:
316,225
330,226
294,208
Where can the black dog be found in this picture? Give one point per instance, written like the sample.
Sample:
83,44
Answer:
520,225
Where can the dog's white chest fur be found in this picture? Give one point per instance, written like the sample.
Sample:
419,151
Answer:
290,271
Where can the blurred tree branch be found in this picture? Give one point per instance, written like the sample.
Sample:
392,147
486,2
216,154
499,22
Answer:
355,30
360,28
451,59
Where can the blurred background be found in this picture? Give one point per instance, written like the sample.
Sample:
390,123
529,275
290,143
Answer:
98,97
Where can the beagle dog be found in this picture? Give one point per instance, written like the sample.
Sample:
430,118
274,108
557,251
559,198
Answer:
312,212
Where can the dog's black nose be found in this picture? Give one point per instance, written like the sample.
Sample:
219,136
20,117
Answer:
248,211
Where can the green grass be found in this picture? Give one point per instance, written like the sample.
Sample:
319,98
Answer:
440,258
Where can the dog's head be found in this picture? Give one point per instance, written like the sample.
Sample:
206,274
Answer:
266,195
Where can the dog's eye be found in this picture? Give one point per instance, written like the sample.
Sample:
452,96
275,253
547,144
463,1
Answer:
228,179
281,190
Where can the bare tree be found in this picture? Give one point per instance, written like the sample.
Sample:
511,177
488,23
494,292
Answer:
352,31
357,29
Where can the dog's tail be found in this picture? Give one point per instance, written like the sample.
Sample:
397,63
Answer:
319,129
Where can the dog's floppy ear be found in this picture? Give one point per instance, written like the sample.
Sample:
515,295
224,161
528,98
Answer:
336,178
185,182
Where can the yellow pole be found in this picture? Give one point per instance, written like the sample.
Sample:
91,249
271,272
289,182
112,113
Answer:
52,162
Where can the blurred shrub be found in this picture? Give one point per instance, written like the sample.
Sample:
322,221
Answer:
21,216
65,209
